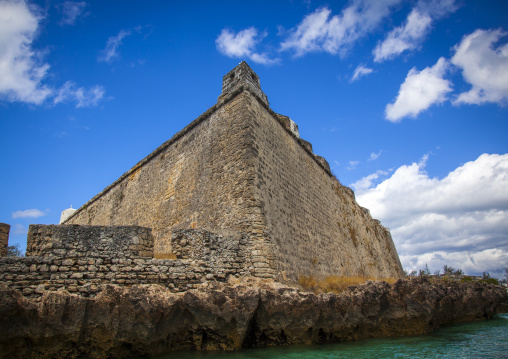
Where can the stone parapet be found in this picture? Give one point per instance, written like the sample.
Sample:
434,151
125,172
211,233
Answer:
219,249
81,259
75,241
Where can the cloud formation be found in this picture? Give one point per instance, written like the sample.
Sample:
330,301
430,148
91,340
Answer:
406,37
82,97
72,11
417,25
367,181
374,156
243,45
110,53
484,66
360,71
460,220
319,31
419,91
28,213
352,165
21,73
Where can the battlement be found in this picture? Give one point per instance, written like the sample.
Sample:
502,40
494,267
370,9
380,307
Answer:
242,76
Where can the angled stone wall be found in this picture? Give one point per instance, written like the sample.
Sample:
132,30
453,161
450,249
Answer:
201,179
242,168
312,224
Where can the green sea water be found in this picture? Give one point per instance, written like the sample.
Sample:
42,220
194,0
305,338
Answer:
487,339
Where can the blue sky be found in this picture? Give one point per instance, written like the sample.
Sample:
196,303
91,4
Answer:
407,100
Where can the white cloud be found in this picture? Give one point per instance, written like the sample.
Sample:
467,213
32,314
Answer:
28,213
72,11
352,165
111,51
460,220
320,31
419,91
367,181
360,71
81,96
484,66
493,261
243,45
403,38
374,156
21,74
437,8
417,25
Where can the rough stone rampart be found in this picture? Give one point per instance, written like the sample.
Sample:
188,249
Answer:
202,180
241,167
81,259
222,250
4,238
312,223
74,241
34,275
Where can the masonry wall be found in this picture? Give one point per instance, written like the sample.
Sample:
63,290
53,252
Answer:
75,241
202,178
82,259
85,276
4,238
238,168
313,225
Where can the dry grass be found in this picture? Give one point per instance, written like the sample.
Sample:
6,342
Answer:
335,284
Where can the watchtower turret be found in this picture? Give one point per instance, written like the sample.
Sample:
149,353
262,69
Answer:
242,75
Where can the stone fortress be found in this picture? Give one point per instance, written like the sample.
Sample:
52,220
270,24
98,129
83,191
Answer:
236,192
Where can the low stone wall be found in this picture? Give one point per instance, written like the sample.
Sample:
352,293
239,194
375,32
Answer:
34,275
4,238
229,250
75,241
81,259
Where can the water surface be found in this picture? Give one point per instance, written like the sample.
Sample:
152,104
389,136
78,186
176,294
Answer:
486,339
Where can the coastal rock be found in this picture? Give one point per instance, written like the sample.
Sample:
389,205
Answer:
146,320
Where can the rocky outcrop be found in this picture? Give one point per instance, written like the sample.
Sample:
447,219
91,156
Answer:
146,320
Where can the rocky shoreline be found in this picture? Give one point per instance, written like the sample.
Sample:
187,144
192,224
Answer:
147,320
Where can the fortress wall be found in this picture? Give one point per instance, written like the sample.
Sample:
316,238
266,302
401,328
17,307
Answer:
74,241
313,224
4,238
201,180
81,259
85,276
225,250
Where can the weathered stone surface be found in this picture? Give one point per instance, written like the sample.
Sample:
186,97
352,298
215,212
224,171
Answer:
240,167
95,255
4,238
145,320
71,241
